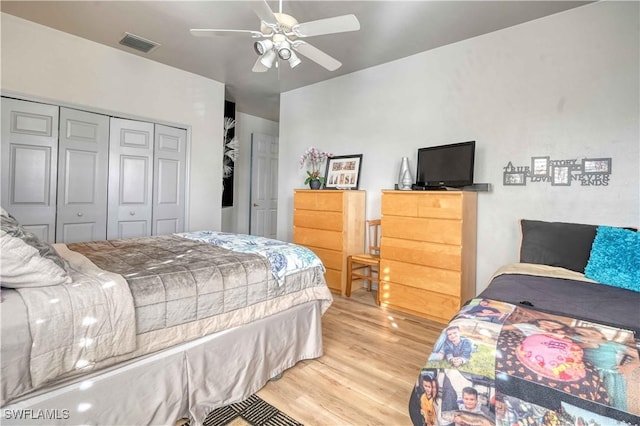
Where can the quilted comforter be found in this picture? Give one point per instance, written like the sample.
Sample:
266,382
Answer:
174,280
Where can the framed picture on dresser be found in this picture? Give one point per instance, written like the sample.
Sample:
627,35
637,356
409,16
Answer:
343,172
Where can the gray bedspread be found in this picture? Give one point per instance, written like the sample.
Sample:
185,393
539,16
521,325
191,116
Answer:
578,298
174,280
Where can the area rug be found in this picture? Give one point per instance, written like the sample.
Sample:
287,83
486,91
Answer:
253,411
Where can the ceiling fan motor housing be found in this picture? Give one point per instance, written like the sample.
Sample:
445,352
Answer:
285,24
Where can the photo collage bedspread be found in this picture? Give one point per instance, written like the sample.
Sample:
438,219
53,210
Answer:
502,364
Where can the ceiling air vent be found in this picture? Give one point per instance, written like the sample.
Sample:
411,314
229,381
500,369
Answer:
136,42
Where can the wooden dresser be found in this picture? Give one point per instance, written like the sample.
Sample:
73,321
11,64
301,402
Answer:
331,223
428,251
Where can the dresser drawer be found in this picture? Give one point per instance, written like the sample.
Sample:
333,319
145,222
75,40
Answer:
317,238
424,303
321,201
399,204
435,205
443,256
444,231
448,206
334,280
422,277
330,258
328,220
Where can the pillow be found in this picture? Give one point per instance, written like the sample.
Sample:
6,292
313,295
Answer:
615,258
27,261
567,245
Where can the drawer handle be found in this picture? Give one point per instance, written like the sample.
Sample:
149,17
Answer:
132,213
79,214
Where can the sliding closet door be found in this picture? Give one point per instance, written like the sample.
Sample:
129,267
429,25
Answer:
29,164
83,167
130,179
169,172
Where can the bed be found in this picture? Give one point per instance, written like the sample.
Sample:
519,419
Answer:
150,330
552,340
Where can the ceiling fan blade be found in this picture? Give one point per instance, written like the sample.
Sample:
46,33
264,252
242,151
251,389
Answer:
202,32
339,24
316,55
264,12
259,66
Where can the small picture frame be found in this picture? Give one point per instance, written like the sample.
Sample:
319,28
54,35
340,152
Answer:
514,179
343,172
596,166
540,166
561,176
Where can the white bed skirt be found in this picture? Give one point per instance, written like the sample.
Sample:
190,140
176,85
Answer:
189,380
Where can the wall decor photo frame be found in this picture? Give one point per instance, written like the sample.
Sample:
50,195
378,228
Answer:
343,172
560,176
596,166
514,179
540,166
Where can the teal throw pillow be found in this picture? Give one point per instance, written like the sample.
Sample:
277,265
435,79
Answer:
615,258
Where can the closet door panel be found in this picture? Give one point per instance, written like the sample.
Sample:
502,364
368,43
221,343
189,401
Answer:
130,179
31,171
134,182
29,151
82,178
169,180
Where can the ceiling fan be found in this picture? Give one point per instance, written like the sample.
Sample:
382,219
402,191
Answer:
281,34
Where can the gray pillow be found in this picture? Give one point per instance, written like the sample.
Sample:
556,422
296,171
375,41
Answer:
11,226
567,245
28,261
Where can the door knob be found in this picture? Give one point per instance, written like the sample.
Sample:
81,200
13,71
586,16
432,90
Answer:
256,205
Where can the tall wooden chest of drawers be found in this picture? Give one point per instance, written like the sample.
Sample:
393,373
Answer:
428,251
331,224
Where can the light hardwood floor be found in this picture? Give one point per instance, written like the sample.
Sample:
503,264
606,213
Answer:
372,358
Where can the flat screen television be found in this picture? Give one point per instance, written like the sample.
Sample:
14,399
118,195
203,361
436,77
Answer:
444,166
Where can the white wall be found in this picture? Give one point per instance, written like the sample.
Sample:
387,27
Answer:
236,218
48,65
564,86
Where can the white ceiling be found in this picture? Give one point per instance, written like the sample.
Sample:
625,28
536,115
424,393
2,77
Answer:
389,30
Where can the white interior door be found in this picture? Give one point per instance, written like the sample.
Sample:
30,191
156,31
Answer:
169,173
83,168
130,179
30,164
264,185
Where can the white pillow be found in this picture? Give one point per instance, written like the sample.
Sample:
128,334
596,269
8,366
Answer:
21,265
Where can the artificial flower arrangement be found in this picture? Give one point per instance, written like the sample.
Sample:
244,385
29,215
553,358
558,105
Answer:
314,159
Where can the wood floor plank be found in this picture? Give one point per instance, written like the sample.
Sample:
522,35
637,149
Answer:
372,358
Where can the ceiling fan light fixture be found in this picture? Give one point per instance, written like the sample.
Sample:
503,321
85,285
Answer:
284,51
262,46
268,58
294,61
